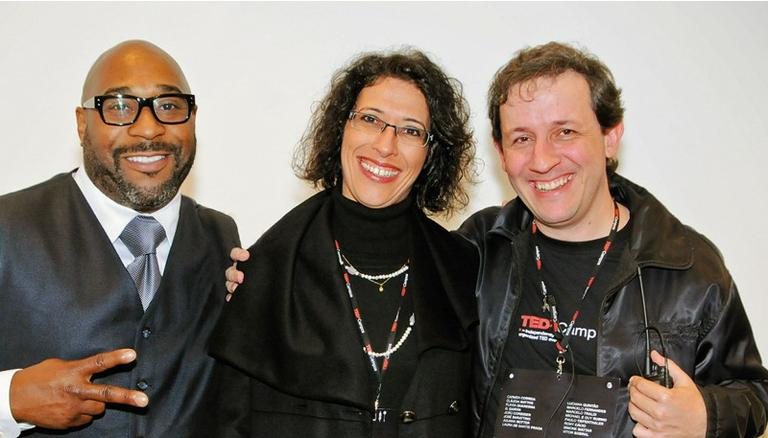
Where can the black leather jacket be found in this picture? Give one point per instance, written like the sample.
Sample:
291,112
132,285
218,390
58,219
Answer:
690,298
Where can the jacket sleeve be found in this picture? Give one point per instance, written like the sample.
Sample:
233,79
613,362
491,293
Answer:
730,375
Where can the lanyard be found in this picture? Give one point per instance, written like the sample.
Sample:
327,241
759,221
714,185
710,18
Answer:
549,302
367,346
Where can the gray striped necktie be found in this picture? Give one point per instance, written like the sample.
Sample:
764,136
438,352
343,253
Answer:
141,236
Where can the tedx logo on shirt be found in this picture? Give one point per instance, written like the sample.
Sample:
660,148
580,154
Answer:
541,329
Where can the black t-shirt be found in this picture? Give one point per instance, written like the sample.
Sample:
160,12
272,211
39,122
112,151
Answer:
566,266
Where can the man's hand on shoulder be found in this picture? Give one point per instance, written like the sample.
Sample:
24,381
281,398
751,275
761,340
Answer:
58,394
667,412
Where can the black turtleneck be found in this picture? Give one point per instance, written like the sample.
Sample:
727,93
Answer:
372,237
379,241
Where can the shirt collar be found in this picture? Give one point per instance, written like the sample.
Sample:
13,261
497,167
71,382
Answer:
114,217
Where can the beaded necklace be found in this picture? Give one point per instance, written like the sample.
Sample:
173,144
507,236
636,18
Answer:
392,346
374,278
549,302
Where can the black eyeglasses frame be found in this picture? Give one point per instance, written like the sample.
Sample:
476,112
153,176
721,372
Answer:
97,102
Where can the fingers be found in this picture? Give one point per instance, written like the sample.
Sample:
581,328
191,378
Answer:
110,394
80,420
641,431
679,377
107,393
233,275
639,398
92,408
103,361
239,254
659,411
651,390
640,417
657,358
642,408
58,394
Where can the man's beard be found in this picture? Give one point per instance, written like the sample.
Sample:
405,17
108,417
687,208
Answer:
113,183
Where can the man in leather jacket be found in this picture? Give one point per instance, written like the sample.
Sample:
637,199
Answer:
555,294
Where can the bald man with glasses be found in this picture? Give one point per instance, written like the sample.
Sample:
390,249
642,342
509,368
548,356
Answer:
109,277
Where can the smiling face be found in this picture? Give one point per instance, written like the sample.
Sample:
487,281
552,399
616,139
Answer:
377,171
554,153
141,165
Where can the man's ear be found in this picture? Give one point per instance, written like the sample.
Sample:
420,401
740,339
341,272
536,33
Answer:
612,140
81,122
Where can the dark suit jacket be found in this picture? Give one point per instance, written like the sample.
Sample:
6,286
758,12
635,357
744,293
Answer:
292,361
65,293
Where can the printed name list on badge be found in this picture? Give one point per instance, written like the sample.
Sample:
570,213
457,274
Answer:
528,398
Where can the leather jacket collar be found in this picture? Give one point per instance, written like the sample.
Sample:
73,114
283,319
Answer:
667,246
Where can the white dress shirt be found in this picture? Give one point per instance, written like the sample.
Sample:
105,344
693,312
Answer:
113,218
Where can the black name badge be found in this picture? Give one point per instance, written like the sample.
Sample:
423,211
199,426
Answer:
529,397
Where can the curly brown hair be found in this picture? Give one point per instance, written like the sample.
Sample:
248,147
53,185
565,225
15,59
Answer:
439,187
550,60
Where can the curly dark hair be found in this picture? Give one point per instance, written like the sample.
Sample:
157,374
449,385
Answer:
550,60
439,187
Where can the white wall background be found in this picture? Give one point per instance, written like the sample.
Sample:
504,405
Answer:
693,75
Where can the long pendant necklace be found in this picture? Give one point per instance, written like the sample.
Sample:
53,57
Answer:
374,278
392,346
549,302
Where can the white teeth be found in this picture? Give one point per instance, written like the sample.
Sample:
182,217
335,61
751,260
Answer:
554,184
143,159
379,171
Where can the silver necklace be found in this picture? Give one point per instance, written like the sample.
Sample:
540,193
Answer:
375,279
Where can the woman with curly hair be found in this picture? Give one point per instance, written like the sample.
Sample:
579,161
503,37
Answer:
356,317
